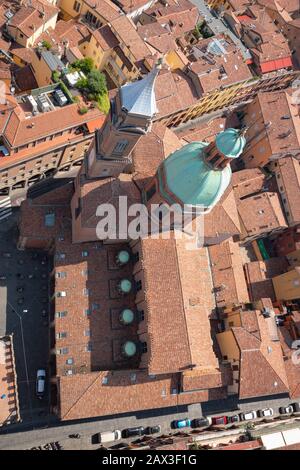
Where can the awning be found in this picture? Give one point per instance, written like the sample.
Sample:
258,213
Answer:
276,65
95,124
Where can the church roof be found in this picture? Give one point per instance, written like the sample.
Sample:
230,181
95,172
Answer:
139,97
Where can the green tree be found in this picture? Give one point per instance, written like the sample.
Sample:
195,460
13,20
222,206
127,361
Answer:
86,65
96,83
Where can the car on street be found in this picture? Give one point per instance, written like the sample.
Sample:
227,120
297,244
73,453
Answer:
296,407
233,419
40,383
286,410
109,436
201,422
218,420
153,429
134,431
247,416
181,423
265,413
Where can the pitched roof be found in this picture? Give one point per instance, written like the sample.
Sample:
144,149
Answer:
227,273
289,170
262,370
178,325
31,17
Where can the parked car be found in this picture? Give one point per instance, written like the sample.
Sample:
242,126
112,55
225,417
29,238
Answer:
286,410
265,413
217,420
40,383
181,423
153,429
248,416
135,431
233,419
296,407
109,436
201,422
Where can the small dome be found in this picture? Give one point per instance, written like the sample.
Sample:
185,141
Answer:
231,143
127,316
192,179
125,285
129,348
123,257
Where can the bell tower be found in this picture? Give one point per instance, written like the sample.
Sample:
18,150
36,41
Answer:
130,118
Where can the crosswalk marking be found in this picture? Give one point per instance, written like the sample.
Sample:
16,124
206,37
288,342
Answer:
5,208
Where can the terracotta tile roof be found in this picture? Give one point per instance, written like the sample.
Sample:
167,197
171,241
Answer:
126,32
105,8
178,326
158,37
227,273
289,170
129,6
72,31
223,221
88,395
247,182
29,18
181,15
20,130
198,379
292,369
24,53
262,370
25,79
260,214
206,132
174,91
218,71
152,149
259,276
106,38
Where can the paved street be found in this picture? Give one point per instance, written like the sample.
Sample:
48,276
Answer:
23,298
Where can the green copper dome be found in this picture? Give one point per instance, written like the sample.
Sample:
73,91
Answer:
192,179
129,348
127,316
125,286
231,143
123,257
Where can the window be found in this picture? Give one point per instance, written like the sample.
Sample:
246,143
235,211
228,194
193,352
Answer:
95,306
61,293
61,314
84,254
62,351
87,311
120,146
76,6
231,323
151,191
70,361
89,347
86,291
138,285
60,255
136,257
144,347
84,272
61,335
87,333
235,367
61,274
49,220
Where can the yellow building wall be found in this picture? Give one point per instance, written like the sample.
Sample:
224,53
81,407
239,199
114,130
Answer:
94,50
174,60
67,10
228,345
287,285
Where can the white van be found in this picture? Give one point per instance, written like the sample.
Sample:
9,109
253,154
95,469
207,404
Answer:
40,383
109,436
